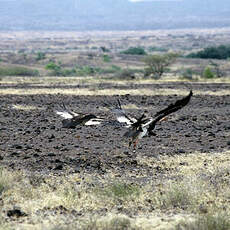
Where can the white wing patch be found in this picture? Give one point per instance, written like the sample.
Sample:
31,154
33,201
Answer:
65,114
123,119
94,121
147,122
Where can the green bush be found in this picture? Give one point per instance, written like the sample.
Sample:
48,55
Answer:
156,64
157,49
115,68
106,58
110,69
52,66
40,56
207,73
56,69
18,71
134,51
68,72
85,70
104,49
127,74
219,52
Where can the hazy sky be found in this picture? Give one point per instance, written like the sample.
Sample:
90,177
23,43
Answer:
155,0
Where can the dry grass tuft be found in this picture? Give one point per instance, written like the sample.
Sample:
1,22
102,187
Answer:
25,107
221,221
119,190
183,189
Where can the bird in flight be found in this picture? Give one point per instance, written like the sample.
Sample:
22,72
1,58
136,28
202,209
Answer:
142,126
72,119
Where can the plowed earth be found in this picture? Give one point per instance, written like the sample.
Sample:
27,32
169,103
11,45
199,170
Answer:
32,137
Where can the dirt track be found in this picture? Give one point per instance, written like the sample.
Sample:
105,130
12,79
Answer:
34,140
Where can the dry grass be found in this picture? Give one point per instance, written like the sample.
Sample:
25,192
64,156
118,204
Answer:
181,192
109,91
43,81
92,87
220,221
25,107
187,186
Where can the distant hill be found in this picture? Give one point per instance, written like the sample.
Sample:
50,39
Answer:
112,14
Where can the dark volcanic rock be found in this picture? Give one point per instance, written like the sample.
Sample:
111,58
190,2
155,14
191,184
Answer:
16,213
35,140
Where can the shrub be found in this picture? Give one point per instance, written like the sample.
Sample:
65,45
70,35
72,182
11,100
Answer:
52,66
68,72
104,49
217,69
106,58
158,64
56,69
134,51
207,73
187,74
40,56
18,71
157,49
111,69
207,222
219,52
177,196
85,70
126,74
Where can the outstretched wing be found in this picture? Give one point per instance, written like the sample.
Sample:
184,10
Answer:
66,113
121,116
177,105
170,109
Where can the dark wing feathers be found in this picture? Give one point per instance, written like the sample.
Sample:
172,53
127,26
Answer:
170,109
177,105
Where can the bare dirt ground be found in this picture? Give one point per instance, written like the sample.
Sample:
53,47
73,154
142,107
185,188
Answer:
32,136
88,178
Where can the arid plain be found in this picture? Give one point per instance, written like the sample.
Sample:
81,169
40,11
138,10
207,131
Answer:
88,177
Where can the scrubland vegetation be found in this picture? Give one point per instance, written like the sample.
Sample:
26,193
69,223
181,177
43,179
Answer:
186,191
118,61
198,195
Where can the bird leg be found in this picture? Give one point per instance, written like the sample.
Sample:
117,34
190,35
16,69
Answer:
135,144
164,119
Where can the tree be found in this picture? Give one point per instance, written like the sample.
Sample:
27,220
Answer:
40,56
216,66
55,68
134,51
219,52
207,73
157,64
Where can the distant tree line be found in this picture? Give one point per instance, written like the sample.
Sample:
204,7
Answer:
134,51
219,52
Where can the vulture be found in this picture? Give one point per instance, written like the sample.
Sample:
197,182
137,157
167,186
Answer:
144,126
